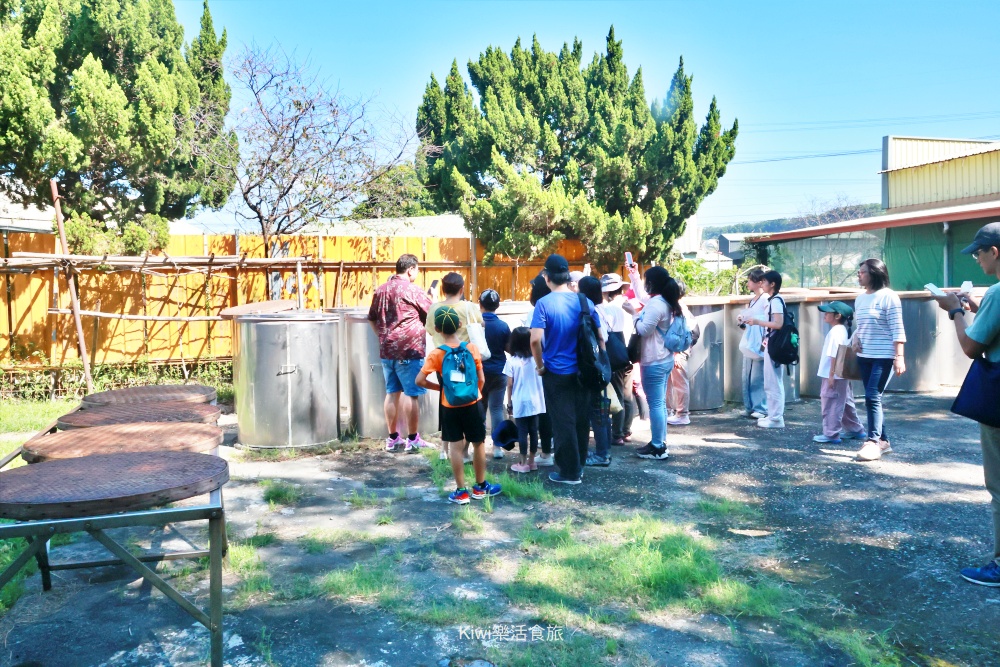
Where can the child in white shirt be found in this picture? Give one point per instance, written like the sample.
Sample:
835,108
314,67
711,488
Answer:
525,396
836,395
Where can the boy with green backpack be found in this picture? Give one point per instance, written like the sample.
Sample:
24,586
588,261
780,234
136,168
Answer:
459,368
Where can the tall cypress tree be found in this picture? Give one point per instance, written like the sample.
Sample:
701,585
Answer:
99,95
552,149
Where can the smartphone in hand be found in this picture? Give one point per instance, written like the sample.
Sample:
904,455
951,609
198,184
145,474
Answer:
628,259
934,290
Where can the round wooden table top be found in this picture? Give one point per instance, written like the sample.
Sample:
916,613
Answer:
186,393
109,415
140,437
107,483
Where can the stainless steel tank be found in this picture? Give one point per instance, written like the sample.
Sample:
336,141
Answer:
923,358
514,312
285,376
367,384
706,366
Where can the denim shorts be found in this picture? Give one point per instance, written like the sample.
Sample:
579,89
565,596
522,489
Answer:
401,376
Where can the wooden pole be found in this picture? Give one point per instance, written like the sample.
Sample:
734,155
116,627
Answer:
74,301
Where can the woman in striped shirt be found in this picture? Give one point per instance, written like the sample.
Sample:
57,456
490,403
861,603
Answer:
878,340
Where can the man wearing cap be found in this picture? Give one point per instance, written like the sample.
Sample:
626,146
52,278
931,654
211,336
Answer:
621,381
397,316
556,321
978,339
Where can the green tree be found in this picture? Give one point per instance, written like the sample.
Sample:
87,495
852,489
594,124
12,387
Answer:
98,94
550,148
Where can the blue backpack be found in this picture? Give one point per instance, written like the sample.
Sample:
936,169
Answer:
459,362
678,336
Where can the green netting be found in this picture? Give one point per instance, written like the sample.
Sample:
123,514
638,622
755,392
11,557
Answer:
915,256
825,261
963,267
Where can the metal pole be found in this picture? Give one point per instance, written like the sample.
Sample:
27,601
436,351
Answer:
73,300
216,537
298,283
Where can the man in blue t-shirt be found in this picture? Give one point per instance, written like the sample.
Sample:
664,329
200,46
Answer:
982,338
556,321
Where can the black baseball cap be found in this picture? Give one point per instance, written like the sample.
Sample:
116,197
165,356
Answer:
987,236
556,264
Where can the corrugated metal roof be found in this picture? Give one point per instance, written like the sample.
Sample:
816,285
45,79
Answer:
990,209
967,152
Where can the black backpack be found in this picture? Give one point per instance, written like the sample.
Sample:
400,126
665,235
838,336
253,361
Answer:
783,343
593,369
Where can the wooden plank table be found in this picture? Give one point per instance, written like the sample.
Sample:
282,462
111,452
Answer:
119,438
98,493
109,415
183,393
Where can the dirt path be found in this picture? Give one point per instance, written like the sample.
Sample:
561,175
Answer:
872,546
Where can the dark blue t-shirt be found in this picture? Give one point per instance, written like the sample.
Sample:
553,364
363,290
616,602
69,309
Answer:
497,333
558,314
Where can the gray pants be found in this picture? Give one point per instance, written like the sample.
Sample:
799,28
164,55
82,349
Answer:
990,438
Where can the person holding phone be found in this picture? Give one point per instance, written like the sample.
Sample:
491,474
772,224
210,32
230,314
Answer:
879,341
980,339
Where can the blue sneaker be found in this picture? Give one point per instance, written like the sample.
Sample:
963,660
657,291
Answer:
988,575
480,491
860,435
823,438
556,477
459,497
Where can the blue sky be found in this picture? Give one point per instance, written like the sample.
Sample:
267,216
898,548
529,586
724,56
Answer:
803,78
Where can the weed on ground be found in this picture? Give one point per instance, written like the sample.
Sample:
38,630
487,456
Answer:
277,492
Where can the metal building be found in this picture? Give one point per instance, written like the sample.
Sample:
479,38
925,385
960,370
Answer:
937,193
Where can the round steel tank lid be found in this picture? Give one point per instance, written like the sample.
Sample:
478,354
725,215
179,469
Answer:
290,316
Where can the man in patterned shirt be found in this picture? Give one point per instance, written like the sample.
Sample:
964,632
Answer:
397,316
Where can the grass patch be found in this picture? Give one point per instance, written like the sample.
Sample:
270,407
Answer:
723,508
468,520
523,488
867,649
570,652
635,562
386,518
277,492
375,581
20,416
451,611
360,501
320,540
547,537
245,562
285,453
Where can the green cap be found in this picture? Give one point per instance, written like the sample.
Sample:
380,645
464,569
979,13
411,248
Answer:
446,320
840,307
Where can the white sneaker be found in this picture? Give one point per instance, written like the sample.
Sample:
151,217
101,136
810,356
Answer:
497,452
767,422
678,421
443,455
543,461
873,450
757,415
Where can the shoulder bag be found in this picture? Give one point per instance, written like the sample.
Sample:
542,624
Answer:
979,397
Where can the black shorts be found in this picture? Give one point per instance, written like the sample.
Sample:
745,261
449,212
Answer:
464,423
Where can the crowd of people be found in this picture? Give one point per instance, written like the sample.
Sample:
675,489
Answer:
528,383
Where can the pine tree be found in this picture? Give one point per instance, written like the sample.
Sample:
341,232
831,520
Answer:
99,95
551,149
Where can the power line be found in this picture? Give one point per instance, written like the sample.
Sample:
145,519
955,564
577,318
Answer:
844,124
785,158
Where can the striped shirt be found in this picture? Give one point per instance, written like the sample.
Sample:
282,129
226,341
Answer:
879,317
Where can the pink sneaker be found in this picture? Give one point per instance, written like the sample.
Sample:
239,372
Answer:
392,443
521,467
416,443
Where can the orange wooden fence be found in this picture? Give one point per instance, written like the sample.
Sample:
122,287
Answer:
32,335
